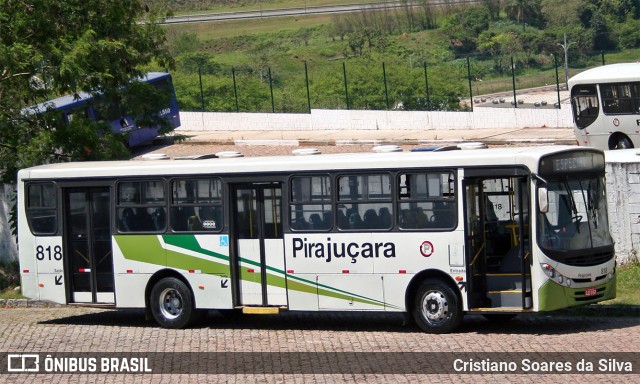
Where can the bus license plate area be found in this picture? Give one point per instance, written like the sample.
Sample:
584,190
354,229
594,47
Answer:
591,291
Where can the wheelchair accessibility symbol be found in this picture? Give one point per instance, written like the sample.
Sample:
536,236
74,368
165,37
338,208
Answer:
224,241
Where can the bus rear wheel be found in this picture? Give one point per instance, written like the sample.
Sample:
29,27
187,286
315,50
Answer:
437,308
620,141
172,304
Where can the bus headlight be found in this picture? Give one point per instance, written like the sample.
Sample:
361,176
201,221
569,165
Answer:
555,275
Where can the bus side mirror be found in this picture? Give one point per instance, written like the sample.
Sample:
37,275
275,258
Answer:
543,199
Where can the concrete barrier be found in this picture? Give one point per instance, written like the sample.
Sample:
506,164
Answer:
321,119
623,193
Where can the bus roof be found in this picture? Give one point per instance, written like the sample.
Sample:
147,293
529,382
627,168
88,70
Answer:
67,101
525,156
612,73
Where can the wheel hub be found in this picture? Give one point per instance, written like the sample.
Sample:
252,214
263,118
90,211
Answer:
435,307
170,303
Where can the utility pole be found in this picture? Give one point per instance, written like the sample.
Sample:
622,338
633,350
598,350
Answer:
566,46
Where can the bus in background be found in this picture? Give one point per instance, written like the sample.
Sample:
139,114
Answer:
85,104
606,106
433,235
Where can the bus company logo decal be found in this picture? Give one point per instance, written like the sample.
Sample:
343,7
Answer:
426,248
330,250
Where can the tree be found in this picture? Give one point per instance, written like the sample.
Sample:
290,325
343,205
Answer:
524,12
50,48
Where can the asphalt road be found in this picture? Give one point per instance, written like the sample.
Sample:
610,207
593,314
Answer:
296,11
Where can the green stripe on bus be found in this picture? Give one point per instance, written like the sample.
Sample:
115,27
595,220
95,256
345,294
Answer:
147,248
191,243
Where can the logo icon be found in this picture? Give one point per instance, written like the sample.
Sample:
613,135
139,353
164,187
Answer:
224,241
23,363
426,248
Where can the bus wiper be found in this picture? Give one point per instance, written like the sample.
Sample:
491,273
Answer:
572,202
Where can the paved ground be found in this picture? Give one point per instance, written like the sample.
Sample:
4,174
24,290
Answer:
265,143
342,339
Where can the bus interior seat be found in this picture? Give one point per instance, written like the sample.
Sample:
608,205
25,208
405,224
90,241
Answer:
327,217
343,221
316,221
371,219
355,221
385,217
159,217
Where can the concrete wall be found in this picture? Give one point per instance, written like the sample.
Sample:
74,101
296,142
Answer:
8,248
320,119
623,192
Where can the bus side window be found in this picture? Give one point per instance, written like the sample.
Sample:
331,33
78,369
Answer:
361,199
42,208
310,204
427,201
141,206
196,205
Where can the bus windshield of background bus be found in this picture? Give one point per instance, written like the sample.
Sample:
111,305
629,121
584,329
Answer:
584,100
577,216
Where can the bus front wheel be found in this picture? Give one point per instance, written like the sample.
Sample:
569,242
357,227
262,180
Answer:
172,304
437,308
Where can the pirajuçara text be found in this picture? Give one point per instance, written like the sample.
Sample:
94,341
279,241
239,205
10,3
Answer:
329,250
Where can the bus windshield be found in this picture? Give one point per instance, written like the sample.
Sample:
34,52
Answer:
584,100
577,215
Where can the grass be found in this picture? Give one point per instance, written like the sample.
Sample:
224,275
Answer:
628,292
235,28
10,293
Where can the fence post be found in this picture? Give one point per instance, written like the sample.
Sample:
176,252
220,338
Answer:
235,89
602,55
513,81
306,78
201,92
273,104
386,91
469,78
346,88
555,59
426,85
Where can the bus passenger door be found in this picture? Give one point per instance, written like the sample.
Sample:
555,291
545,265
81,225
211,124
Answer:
259,245
497,236
88,255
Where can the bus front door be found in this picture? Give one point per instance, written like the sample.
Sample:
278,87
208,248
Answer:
88,254
497,242
259,245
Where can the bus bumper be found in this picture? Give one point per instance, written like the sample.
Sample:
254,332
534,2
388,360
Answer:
554,296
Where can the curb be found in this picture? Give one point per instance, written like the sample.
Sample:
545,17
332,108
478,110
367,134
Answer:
27,303
344,142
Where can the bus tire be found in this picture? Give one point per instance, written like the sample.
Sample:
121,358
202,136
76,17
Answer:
437,308
172,304
620,141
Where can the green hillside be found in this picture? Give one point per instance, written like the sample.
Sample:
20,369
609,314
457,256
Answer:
390,58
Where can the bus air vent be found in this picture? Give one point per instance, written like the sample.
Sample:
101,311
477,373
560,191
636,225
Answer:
306,151
197,157
229,154
155,156
386,148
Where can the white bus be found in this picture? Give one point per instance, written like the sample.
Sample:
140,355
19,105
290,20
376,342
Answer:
606,106
433,235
